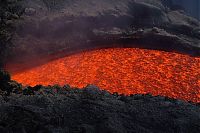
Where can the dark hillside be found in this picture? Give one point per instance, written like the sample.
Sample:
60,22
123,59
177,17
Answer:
90,110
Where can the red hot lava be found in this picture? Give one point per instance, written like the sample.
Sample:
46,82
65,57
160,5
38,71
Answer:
123,70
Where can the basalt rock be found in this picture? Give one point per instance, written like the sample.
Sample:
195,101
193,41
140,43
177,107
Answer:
77,111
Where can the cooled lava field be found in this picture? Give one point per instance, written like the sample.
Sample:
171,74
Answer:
89,110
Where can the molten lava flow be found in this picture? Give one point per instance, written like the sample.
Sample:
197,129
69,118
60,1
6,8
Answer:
123,70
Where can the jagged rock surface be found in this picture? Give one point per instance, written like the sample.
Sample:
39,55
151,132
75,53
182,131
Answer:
55,109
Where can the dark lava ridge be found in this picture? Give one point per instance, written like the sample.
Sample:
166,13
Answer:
88,110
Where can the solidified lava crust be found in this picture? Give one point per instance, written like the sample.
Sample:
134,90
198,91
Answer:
90,110
122,70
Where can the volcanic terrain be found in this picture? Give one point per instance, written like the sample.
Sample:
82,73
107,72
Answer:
123,70
142,54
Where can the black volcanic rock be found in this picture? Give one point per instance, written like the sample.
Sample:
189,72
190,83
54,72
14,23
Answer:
92,110
76,25
7,85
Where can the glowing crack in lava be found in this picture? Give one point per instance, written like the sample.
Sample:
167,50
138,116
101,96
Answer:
123,70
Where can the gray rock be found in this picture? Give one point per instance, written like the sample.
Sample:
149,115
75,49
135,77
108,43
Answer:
30,11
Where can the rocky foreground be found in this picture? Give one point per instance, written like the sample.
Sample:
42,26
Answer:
63,109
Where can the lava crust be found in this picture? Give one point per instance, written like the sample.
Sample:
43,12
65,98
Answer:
90,110
122,70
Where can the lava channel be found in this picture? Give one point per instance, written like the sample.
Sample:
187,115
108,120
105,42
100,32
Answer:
122,70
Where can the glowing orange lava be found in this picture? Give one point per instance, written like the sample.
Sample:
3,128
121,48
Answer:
123,70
